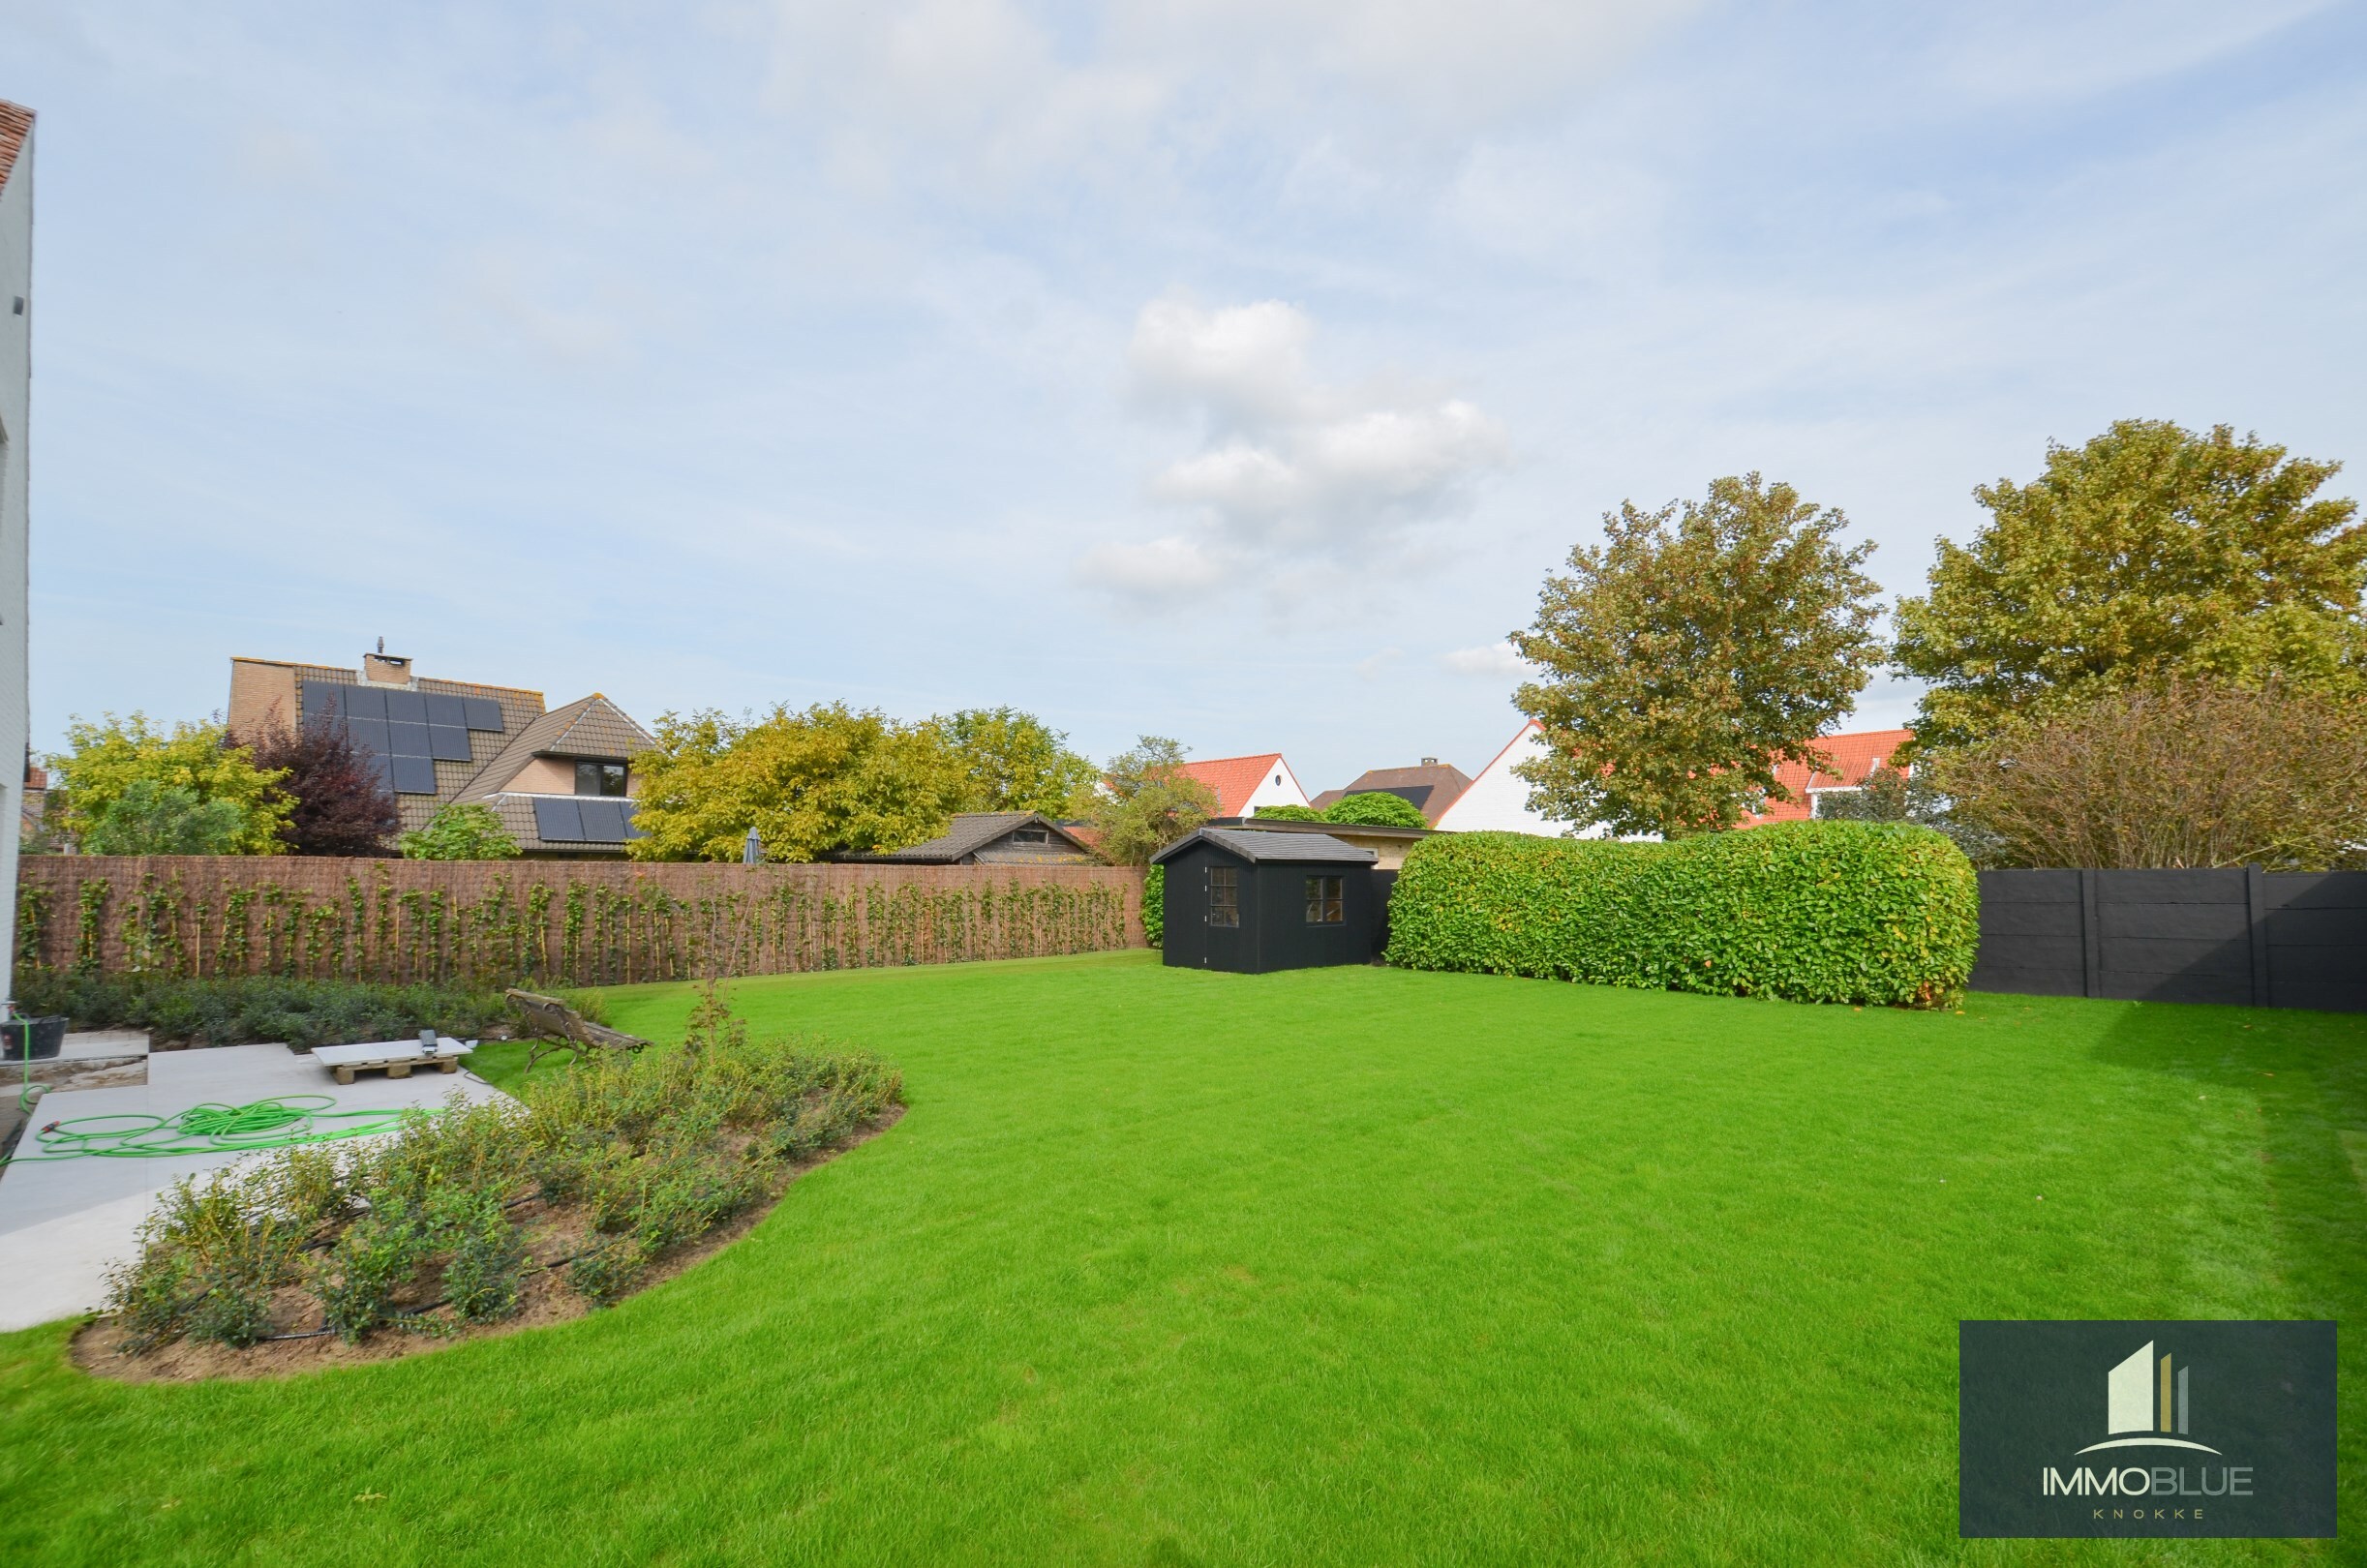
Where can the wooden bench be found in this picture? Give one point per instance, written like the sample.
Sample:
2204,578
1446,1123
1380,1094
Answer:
397,1056
556,1026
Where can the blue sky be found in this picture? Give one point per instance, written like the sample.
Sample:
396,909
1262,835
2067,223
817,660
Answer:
1226,370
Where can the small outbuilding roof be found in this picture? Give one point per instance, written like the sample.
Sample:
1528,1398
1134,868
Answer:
1257,846
972,831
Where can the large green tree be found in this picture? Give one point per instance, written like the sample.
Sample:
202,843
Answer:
1148,801
200,790
1015,762
2149,550
1691,653
813,782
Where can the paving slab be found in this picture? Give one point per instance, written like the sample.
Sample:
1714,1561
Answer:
64,1221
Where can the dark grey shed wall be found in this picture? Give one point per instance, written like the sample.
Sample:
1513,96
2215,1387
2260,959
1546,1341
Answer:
2266,939
1273,933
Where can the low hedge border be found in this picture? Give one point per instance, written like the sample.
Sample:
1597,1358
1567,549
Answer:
1855,912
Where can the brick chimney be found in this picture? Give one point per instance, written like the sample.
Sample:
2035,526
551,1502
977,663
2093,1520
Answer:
386,669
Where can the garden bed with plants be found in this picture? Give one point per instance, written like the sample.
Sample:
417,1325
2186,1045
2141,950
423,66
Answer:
248,1009
486,1218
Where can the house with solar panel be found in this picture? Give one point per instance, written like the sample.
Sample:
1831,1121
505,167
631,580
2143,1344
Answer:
559,778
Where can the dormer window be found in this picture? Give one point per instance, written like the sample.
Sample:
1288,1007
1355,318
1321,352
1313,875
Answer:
599,778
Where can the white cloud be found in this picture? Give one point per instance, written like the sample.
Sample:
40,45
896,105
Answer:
1156,571
1291,469
1495,661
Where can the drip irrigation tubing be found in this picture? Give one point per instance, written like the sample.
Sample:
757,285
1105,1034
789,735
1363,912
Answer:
277,1122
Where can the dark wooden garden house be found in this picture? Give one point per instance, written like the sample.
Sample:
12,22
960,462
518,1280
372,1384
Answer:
1251,901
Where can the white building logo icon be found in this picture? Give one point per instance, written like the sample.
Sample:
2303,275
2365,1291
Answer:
2148,1396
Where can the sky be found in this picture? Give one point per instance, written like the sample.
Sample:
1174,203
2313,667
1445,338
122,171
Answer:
1228,371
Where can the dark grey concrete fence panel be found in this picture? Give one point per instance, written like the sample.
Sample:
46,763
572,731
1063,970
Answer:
2232,935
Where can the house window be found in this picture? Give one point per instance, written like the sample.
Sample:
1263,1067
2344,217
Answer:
1324,904
599,778
1030,835
1223,896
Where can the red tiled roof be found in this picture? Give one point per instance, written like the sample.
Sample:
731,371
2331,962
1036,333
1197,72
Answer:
1233,778
1853,757
15,123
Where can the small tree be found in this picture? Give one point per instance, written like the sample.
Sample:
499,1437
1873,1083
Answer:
1689,655
463,831
827,778
154,818
106,758
2183,772
1151,801
339,802
1375,808
2148,551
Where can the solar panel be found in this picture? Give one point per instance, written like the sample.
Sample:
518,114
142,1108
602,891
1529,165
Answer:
613,818
370,732
484,713
632,829
558,820
406,708
444,709
413,775
364,701
317,701
447,742
385,768
407,740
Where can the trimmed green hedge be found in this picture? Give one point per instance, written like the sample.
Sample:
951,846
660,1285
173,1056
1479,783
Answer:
1810,912
1155,905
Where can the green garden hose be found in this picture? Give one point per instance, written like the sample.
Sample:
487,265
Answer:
281,1122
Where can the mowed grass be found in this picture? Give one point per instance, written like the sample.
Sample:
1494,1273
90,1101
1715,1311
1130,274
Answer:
1343,1266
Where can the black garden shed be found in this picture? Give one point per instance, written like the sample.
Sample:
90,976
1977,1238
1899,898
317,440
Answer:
1253,903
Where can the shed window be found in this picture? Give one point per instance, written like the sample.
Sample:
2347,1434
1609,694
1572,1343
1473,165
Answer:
1224,895
1324,904
1030,835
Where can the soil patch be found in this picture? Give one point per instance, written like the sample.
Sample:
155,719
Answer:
553,1234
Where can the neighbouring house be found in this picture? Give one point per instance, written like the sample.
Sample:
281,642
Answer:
1243,784
15,498
993,838
1497,800
561,779
1429,789
1853,756
1252,901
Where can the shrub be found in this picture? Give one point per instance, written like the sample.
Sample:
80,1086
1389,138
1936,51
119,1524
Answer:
415,1228
1155,906
1809,912
1288,813
243,1009
463,831
1375,808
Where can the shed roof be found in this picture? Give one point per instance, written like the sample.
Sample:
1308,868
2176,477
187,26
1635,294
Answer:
972,831
1259,847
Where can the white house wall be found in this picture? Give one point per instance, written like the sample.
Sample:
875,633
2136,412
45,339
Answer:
16,405
1497,801
1278,787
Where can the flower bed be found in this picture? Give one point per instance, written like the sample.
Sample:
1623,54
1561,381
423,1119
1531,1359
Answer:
484,1217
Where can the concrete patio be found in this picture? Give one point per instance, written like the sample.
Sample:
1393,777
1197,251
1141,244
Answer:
63,1223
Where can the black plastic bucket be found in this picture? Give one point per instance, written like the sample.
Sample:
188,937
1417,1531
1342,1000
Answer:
35,1038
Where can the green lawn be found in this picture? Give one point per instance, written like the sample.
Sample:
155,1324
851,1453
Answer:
1342,1266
